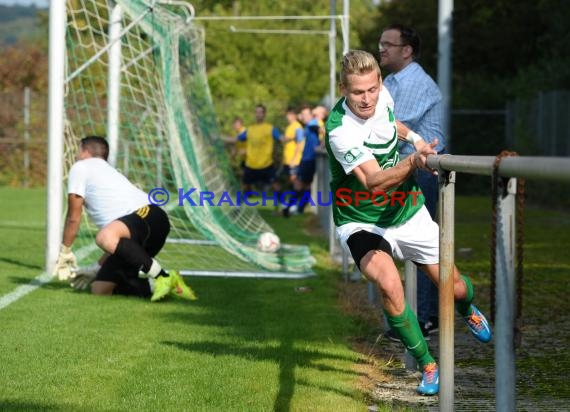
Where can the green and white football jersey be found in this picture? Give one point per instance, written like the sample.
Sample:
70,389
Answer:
351,141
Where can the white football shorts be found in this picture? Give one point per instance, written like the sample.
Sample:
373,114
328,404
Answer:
416,240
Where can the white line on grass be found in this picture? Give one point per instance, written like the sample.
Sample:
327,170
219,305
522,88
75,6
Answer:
39,280
23,290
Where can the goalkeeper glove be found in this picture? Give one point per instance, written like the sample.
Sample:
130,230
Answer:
66,263
83,276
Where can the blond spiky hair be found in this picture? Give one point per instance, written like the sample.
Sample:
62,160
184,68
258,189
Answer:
357,62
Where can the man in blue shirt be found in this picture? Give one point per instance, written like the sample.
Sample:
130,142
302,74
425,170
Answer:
418,104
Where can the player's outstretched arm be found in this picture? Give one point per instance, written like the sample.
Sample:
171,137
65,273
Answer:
424,148
73,218
407,135
376,179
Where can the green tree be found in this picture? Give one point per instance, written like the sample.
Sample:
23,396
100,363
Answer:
501,49
420,14
275,69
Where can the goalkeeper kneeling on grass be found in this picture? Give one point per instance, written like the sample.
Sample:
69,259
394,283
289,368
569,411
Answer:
132,231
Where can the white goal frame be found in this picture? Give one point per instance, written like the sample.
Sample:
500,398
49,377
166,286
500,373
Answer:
57,81
56,119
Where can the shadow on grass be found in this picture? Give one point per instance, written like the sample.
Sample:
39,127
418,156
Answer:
13,406
20,263
18,280
276,324
23,227
285,355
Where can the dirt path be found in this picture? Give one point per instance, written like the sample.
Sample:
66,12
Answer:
384,378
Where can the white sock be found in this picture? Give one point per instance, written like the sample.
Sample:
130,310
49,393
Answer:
154,269
151,283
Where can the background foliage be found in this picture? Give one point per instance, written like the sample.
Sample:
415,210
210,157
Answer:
274,69
502,50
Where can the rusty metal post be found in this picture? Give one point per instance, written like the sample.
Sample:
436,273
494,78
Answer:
505,383
446,295
410,272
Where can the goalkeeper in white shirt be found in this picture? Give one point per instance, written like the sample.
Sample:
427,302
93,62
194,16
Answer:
131,231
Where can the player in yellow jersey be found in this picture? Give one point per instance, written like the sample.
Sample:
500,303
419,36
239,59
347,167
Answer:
260,138
292,138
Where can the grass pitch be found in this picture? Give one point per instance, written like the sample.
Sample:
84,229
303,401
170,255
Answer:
245,345
250,344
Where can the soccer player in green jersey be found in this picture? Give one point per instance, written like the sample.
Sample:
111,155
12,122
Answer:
378,208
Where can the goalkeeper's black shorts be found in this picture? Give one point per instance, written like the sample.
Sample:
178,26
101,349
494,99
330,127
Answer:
149,226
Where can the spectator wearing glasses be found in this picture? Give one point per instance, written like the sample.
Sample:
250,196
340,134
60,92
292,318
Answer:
418,104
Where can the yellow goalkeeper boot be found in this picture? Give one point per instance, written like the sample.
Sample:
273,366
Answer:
180,288
162,287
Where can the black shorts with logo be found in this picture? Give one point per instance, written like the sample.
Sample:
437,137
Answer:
149,226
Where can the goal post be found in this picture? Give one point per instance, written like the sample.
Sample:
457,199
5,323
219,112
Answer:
55,132
135,71
115,27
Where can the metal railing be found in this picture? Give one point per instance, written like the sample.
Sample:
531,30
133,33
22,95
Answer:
504,171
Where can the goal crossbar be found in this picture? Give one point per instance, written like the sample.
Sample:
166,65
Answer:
137,74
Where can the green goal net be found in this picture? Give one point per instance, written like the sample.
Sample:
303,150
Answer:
135,72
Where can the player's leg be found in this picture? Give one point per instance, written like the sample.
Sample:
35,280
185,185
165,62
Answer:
418,239
464,294
284,184
274,182
257,179
109,236
117,239
306,173
134,286
247,179
378,266
115,277
158,229
373,255
301,188
293,175
459,285
122,237
293,201
428,302
101,287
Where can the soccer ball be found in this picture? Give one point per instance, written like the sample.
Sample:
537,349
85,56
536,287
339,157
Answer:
268,242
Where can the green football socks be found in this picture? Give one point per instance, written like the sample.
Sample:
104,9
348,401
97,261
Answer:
408,329
464,306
